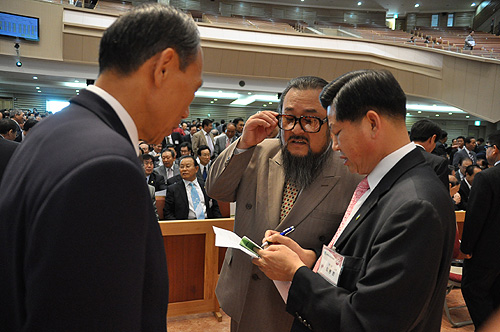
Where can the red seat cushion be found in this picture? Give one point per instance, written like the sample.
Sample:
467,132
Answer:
456,277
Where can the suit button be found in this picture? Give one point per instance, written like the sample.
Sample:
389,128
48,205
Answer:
322,238
248,206
255,277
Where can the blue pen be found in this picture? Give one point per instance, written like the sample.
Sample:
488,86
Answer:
284,233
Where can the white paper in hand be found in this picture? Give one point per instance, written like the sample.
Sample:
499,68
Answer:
228,239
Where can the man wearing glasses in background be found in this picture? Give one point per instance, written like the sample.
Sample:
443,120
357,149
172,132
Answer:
296,180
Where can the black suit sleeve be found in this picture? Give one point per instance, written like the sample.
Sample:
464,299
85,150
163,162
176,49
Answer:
86,262
442,172
480,203
215,211
169,209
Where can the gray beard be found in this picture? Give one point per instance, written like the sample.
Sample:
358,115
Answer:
304,170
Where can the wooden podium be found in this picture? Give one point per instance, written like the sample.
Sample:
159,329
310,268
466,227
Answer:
194,264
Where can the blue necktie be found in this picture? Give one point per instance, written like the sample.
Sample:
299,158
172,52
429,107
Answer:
198,208
205,173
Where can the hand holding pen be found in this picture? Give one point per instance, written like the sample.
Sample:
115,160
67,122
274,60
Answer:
284,233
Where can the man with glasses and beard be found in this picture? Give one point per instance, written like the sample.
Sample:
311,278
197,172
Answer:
296,180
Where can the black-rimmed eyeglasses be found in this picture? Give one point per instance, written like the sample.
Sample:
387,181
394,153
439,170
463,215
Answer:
309,124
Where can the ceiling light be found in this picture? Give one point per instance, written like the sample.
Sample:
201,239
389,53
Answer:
444,109
249,93
467,116
417,5
77,90
215,99
264,105
77,81
302,0
359,3
39,90
75,85
270,103
437,114
37,87
419,112
473,4
408,114
211,102
450,113
214,94
35,77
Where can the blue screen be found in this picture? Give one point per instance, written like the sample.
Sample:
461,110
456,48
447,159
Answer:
19,26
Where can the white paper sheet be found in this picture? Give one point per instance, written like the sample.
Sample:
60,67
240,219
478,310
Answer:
228,239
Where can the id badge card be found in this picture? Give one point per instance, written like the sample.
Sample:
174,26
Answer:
331,265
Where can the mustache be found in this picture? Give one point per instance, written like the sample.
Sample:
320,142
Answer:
297,137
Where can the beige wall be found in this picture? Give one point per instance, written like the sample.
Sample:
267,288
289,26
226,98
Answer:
50,15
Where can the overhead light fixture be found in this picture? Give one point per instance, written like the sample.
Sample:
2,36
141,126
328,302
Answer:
417,5
215,94
467,116
77,81
264,105
211,101
75,85
419,112
433,108
450,113
408,114
37,87
473,4
39,91
359,3
77,90
437,114
35,77
215,99
243,101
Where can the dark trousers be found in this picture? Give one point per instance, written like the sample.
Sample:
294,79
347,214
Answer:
481,291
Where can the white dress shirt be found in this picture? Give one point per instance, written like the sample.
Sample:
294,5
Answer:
192,213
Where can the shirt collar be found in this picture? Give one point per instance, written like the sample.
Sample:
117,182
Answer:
122,113
386,164
194,182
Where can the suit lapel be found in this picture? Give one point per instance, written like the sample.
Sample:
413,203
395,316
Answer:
313,195
276,178
412,159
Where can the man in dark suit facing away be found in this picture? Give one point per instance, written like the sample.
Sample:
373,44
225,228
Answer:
187,199
387,266
424,134
80,248
481,273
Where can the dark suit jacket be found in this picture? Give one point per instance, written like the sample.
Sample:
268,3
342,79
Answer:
462,154
7,148
80,247
438,164
482,220
440,150
464,192
157,181
397,258
177,205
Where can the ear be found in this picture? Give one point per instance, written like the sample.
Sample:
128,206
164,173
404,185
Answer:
167,60
432,140
374,121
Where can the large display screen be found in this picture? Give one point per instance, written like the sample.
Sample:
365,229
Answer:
19,26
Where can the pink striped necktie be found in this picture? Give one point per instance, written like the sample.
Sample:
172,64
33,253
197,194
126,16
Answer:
361,189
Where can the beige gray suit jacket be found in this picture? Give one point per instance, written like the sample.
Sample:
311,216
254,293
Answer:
255,180
199,139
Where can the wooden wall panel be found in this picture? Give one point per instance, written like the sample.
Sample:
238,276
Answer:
246,63
73,47
311,66
405,79
212,58
486,89
188,252
435,88
295,66
279,65
496,95
262,64
90,49
448,77
472,79
420,85
229,61
459,82
328,69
